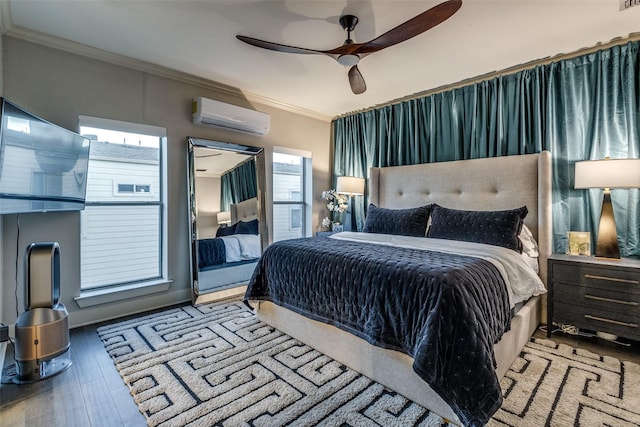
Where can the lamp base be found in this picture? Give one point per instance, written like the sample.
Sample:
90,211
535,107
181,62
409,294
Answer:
607,243
348,222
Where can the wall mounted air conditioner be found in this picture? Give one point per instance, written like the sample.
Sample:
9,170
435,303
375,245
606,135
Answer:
210,112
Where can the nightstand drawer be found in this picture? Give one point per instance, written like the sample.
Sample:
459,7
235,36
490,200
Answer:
623,280
606,298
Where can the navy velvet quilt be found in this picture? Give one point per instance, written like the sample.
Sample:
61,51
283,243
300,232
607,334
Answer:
211,252
446,311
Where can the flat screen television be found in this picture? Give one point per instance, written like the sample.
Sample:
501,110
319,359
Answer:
43,167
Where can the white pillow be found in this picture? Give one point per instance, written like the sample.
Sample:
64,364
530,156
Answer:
529,244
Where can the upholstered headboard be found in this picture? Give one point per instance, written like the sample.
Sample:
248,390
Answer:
244,211
496,183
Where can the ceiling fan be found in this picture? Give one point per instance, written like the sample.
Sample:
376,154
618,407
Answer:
350,53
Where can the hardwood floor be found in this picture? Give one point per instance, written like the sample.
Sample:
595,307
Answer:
91,392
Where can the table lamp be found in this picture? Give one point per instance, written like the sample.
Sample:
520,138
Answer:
607,174
351,186
224,217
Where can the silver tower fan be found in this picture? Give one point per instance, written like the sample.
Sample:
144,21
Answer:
42,331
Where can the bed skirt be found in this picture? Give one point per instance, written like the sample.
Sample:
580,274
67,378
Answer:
388,367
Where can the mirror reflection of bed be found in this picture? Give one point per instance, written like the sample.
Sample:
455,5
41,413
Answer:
226,227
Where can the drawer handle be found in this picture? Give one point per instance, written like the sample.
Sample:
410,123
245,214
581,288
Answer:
616,301
611,279
602,319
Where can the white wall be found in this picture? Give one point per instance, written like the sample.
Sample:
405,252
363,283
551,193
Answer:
60,86
207,205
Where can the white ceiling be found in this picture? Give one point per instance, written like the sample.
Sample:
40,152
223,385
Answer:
211,162
198,38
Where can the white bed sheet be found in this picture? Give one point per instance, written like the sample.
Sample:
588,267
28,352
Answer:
241,247
522,281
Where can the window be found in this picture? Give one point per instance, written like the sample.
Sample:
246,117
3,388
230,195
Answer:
123,224
295,211
291,194
133,189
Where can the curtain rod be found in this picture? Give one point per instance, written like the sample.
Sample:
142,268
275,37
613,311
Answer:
510,70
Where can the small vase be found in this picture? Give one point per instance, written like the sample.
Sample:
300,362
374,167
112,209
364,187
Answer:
336,227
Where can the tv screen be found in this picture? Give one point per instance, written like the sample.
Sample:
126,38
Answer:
43,167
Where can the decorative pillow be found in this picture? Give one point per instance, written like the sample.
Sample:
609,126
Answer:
226,231
402,222
249,227
529,244
498,228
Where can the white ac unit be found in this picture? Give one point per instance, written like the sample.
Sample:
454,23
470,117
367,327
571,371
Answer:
210,112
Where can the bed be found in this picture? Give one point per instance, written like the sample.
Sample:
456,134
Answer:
494,184
231,256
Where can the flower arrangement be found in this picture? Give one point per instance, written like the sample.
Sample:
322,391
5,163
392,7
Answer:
338,203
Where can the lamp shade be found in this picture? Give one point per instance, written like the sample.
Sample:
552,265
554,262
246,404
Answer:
608,173
350,185
224,217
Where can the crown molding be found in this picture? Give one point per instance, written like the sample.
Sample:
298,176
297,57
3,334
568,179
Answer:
101,55
617,41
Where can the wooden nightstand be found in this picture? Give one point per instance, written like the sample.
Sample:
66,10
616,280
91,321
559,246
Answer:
596,294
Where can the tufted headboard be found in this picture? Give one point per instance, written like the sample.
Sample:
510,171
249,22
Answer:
244,211
495,183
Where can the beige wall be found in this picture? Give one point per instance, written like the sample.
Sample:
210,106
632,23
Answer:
59,86
207,205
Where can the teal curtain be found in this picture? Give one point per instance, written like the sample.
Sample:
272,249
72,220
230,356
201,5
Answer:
581,108
238,184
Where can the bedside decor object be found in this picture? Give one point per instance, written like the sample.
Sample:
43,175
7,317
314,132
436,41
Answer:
224,218
607,174
338,204
579,243
350,186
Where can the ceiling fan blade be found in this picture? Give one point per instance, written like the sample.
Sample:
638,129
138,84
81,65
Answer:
356,81
277,46
411,28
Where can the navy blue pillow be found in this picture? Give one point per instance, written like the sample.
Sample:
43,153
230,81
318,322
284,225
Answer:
249,227
226,231
497,228
401,222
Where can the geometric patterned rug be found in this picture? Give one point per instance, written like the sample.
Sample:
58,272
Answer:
216,364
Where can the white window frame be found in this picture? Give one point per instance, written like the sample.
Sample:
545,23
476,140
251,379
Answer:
117,292
118,192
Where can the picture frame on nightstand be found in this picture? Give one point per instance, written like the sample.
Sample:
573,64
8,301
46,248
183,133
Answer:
579,243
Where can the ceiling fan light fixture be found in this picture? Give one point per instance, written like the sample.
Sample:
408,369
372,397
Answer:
348,60
347,53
